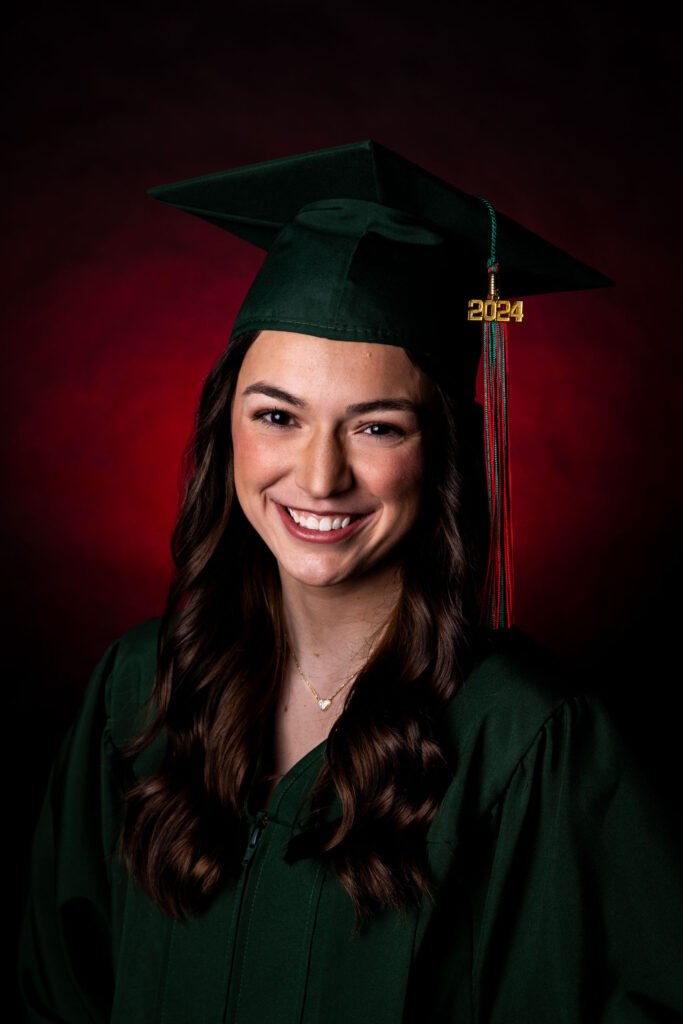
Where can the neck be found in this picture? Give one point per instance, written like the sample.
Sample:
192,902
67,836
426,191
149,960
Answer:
333,630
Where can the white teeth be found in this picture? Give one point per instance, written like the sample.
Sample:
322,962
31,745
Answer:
325,524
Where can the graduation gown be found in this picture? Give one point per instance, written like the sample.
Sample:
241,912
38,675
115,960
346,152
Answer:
554,895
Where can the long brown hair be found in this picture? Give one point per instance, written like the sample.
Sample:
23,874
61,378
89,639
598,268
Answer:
221,657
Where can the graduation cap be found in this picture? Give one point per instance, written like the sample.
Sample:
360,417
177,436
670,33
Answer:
364,245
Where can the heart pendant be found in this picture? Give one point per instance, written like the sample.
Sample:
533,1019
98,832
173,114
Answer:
324,704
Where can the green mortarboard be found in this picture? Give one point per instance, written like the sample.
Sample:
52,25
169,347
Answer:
364,245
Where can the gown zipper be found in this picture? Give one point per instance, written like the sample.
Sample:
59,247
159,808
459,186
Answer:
254,836
252,843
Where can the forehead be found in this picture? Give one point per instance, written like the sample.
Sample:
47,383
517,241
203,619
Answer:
306,365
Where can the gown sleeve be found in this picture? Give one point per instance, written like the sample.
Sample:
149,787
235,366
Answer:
65,956
582,916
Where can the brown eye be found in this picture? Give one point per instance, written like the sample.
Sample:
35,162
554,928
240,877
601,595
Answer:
383,430
275,417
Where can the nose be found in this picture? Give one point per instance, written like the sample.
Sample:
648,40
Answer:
323,468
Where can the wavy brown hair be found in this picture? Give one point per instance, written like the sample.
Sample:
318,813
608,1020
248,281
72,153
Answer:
222,654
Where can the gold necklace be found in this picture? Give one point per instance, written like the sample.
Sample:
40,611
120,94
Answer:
322,702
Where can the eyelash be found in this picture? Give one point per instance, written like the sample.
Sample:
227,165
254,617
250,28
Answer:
389,430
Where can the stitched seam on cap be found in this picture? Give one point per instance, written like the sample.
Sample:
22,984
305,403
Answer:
252,324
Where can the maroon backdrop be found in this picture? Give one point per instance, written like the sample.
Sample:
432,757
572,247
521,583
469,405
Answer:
116,307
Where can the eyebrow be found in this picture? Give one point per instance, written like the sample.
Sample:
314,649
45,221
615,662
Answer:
261,388
376,405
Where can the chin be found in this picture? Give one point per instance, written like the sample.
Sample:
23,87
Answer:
320,576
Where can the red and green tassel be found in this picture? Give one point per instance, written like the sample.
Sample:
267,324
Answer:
497,603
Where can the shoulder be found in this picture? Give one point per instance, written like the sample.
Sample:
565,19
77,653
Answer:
514,681
126,674
136,651
517,701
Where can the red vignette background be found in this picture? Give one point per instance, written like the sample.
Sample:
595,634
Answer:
562,115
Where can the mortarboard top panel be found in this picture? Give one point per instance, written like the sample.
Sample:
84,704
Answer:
255,202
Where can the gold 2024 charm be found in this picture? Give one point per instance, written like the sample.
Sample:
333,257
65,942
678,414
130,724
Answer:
501,310
493,308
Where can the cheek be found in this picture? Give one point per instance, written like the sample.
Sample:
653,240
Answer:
399,481
257,460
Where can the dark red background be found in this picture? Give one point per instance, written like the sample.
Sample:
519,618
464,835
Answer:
566,117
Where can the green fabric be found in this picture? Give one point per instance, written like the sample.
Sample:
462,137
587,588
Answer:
555,888
358,271
364,245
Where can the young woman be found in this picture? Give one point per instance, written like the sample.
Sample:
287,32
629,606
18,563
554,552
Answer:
317,790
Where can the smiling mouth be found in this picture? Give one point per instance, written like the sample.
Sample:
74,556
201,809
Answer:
322,524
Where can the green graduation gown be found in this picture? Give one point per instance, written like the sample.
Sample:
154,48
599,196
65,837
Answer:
554,897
